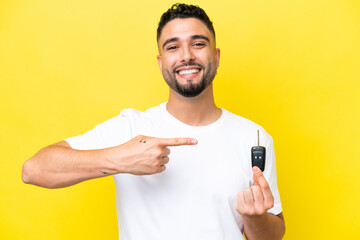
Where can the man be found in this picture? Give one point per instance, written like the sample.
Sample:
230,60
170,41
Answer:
199,190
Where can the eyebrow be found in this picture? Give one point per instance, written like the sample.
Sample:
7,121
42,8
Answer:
200,37
174,39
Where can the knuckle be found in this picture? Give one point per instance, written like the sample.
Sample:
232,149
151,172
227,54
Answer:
241,209
159,153
269,204
252,211
260,210
247,190
156,153
156,163
266,187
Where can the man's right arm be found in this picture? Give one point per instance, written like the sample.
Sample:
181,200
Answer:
59,165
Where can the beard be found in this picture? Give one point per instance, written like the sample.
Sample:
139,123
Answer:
190,89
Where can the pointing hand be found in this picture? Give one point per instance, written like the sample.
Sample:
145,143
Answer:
144,155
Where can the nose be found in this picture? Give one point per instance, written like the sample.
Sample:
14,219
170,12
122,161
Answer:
187,55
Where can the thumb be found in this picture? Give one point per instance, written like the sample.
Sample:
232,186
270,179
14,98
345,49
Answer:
256,174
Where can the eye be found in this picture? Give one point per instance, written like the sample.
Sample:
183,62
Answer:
171,48
199,44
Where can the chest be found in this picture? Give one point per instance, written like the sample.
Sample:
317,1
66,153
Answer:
219,165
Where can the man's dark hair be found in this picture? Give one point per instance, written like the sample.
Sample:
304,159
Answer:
181,10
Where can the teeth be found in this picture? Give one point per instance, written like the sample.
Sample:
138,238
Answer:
190,71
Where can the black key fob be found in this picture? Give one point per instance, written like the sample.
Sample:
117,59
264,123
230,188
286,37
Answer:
258,157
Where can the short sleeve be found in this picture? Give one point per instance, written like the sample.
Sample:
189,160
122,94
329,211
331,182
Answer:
112,132
270,175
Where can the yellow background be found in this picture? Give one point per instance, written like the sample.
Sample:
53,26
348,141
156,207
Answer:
293,66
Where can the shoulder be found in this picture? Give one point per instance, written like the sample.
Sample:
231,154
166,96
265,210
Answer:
241,121
245,126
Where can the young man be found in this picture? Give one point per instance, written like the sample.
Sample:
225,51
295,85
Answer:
199,190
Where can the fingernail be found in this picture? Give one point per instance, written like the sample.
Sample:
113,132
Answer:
194,141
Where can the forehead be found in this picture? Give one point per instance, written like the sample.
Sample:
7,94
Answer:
183,28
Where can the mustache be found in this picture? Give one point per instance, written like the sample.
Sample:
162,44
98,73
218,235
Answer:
187,65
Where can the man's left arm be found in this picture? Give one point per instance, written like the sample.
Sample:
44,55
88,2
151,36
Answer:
252,204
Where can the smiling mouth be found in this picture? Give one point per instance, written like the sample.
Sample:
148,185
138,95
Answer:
188,71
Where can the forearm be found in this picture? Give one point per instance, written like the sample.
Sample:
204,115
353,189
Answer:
59,166
264,227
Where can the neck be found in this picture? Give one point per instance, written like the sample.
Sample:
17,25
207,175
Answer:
195,111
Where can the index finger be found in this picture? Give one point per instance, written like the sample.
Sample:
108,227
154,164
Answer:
176,141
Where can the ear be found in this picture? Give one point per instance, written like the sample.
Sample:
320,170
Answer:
159,62
217,55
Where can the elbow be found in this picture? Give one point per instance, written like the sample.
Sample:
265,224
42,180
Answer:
26,175
30,175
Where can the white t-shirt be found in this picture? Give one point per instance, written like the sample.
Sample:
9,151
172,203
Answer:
195,197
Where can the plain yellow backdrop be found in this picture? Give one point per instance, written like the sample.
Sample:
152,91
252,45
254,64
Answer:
293,66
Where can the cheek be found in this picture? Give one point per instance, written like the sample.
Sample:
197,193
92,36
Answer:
205,57
212,59
169,61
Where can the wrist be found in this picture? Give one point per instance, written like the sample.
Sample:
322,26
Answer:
114,160
108,165
255,219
